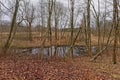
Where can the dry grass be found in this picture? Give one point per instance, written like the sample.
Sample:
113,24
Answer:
21,40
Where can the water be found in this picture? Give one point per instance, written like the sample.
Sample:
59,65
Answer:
61,50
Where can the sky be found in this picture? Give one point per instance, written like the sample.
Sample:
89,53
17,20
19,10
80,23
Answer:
65,2
95,3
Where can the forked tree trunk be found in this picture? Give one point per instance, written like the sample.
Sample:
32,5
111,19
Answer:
50,9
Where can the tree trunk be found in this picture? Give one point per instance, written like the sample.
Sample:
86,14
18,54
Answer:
50,8
88,28
12,30
99,29
56,24
72,24
115,24
30,31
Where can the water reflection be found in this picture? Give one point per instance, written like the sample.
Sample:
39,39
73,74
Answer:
61,51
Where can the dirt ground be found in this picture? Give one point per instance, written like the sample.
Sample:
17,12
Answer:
79,68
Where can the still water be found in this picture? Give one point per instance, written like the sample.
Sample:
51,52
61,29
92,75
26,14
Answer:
61,50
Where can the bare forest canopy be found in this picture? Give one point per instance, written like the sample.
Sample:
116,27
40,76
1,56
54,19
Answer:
40,10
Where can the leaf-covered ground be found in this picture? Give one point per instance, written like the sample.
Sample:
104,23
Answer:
31,69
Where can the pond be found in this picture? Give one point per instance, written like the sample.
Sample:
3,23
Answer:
61,50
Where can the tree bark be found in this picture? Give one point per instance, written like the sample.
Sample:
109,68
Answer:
115,25
12,30
88,28
50,9
72,24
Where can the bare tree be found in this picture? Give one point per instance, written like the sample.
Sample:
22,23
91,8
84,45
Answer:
50,10
13,28
42,16
72,23
115,25
88,37
58,9
29,16
97,17
105,14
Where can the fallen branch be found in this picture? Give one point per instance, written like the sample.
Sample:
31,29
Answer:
100,52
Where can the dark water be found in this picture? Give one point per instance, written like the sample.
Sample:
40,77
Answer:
61,50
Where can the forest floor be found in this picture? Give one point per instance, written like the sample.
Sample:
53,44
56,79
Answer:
28,67
21,67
